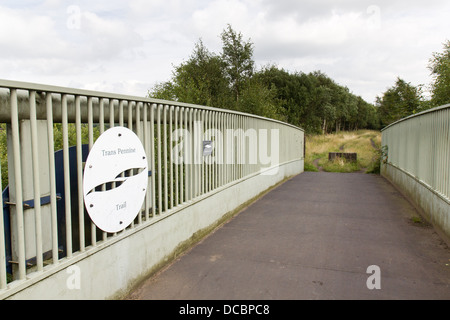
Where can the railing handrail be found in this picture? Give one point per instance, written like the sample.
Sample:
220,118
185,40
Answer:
12,84
417,114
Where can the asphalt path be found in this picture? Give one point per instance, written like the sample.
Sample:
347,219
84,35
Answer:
317,236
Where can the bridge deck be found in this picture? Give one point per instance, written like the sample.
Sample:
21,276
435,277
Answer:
313,237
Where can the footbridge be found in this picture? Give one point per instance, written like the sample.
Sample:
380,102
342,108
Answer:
102,190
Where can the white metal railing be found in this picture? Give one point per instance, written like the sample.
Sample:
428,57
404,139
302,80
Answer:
45,226
419,145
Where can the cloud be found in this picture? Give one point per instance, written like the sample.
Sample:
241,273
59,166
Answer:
25,34
129,46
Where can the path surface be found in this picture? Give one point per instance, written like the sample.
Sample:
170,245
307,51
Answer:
313,237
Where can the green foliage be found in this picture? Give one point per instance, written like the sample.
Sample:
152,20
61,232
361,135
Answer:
404,99
316,103
237,58
440,70
399,101
229,80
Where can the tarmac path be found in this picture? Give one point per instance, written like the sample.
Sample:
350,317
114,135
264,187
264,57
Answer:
314,237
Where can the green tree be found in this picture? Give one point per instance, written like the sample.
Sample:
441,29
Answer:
237,56
229,80
399,101
260,100
440,70
199,80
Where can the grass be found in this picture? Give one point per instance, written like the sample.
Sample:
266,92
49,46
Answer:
366,143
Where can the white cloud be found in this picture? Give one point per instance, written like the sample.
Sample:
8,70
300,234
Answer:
128,46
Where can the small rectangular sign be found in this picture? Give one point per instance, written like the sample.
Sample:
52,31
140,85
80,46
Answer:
207,148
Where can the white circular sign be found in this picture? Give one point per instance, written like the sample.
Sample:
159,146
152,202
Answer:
115,179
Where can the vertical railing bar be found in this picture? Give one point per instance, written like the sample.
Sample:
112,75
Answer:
206,160
205,163
224,123
209,163
188,186
447,153
246,150
130,126
36,182
239,147
184,183
217,151
219,157
18,185
130,115
152,147
232,147
139,134
91,143
177,157
101,121
191,154
138,120
147,154
182,158
3,276
438,152
121,106
240,137
187,153
213,154
111,113
79,172
52,177
171,110
200,156
158,133
197,182
225,146
247,158
166,191
443,150
194,154
234,143
68,216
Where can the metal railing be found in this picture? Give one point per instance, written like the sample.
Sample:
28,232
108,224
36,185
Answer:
44,225
419,145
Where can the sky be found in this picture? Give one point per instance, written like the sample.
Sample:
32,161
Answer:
128,46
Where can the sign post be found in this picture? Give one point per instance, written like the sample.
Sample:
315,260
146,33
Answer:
115,179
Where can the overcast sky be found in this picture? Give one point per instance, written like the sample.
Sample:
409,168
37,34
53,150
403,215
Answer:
127,46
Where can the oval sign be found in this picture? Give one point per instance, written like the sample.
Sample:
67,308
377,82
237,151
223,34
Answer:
115,179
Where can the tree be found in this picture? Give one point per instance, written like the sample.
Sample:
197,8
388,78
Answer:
399,101
237,57
440,70
229,80
261,100
200,80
